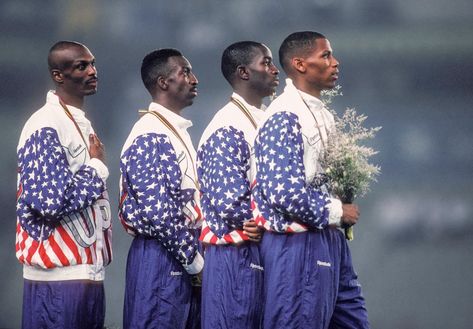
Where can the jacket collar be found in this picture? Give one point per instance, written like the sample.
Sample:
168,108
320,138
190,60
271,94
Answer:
52,98
312,102
248,106
173,118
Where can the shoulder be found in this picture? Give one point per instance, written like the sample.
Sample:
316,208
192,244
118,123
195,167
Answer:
280,126
280,119
146,129
283,106
224,120
45,119
147,141
282,101
227,135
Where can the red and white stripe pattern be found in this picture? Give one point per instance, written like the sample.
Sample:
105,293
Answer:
234,237
61,248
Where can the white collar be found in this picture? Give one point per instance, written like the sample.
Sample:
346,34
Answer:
313,102
52,98
175,119
248,106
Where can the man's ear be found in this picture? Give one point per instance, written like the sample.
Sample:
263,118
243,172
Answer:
161,83
298,64
57,76
242,72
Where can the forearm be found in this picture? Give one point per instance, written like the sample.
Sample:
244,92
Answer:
49,186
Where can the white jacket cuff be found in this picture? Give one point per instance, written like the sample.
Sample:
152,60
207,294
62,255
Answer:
196,266
101,168
335,212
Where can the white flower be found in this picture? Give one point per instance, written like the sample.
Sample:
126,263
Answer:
345,159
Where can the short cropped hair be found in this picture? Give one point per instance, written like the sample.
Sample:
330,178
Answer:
297,44
53,63
238,53
154,65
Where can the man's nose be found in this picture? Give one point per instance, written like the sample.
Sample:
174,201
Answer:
92,70
193,79
335,62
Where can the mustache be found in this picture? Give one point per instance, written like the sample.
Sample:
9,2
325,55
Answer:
93,79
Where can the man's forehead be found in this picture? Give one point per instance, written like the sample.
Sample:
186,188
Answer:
74,54
266,51
260,54
179,61
322,45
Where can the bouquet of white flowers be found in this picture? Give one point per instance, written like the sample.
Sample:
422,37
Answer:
347,170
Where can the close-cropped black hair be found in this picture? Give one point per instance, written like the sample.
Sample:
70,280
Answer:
297,44
238,53
53,62
154,65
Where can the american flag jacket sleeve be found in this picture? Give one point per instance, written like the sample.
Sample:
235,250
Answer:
281,191
47,187
222,166
152,198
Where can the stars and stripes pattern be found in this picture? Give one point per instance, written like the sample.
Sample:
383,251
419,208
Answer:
152,202
48,193
282,201
223,162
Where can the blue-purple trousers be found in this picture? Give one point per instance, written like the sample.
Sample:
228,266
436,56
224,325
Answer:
157,290
74,304
232,287
310,282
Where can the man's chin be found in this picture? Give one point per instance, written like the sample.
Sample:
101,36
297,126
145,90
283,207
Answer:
190,101
90,92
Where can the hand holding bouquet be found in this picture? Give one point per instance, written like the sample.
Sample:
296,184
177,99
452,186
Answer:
345,160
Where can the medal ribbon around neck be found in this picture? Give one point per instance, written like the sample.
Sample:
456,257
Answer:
69,115
245,111
176,133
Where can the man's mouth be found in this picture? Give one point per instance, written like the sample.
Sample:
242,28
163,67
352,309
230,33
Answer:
92,81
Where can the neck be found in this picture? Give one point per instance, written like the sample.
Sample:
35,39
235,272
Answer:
69,99
169,104
307,88
250,97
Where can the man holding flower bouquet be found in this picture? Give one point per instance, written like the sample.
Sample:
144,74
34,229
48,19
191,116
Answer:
309,277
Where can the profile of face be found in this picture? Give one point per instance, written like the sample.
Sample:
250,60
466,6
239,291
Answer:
263,74
78,75
181,82
321,67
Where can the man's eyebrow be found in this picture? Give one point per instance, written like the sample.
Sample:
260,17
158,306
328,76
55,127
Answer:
81,61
